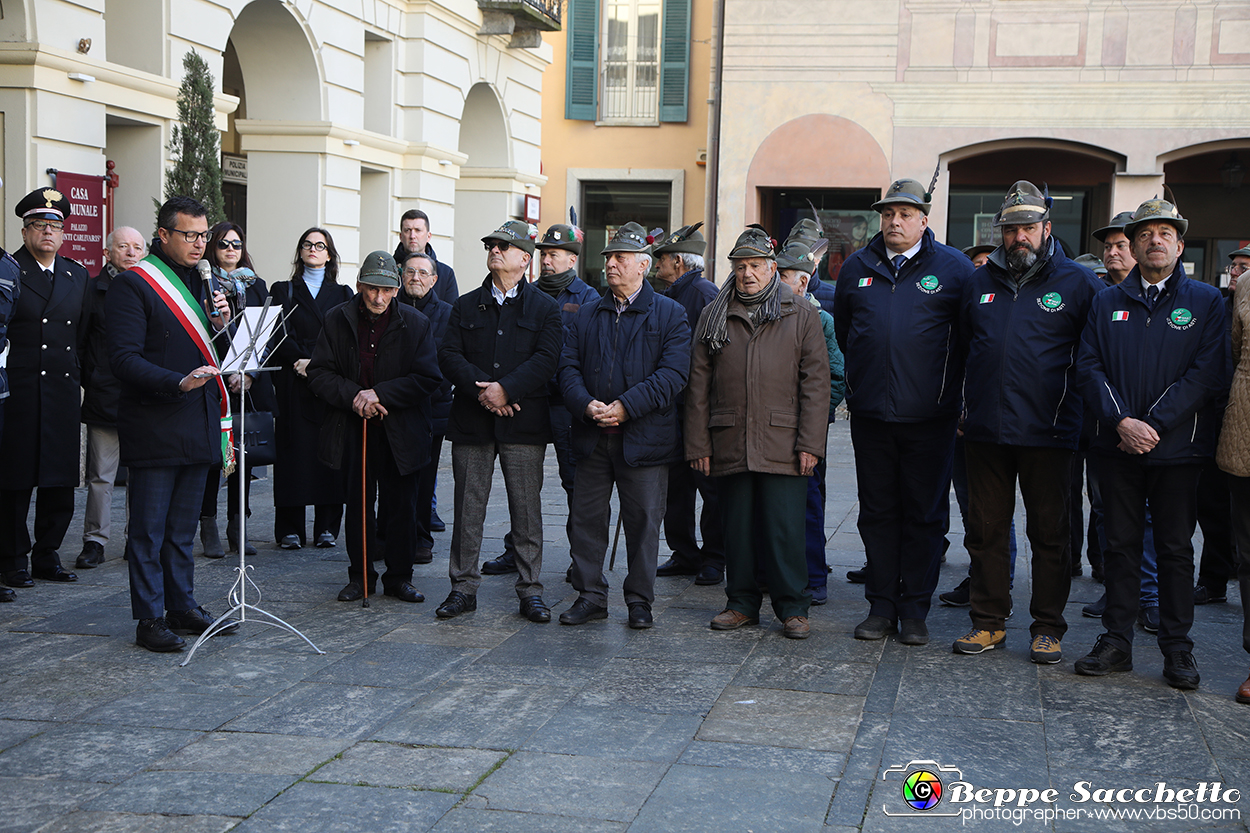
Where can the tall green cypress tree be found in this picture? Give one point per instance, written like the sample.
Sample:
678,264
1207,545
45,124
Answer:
194,142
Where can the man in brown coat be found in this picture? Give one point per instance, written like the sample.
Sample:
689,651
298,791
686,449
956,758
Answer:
757,412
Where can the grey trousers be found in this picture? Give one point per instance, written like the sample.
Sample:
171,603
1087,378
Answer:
103,456
643,492
474,467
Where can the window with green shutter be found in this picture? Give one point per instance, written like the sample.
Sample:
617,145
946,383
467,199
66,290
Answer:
581,87
675,61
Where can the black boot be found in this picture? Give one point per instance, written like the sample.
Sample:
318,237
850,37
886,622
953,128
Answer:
209,537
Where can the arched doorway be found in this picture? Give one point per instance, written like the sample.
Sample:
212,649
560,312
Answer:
485,195
1080,179
1210,186
271,63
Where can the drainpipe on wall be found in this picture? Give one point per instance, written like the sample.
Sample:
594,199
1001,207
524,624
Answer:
713,136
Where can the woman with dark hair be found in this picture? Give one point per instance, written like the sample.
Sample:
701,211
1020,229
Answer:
232,274
299,479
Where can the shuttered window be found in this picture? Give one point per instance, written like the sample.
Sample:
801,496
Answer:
628,61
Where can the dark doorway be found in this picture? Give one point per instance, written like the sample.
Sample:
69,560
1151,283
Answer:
610,205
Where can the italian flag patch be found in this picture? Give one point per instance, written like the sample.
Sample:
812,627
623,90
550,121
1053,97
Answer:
865,282
987,298
1120,315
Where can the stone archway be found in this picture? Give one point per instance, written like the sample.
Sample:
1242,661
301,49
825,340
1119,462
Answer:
485,195
272,62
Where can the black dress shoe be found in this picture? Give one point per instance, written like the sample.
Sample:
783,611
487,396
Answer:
534,609
325,540
57,573
859,576
455,604
403,591
436,523
19,578
195,621
582,611
354,591
155,635
1103,660
709,575
7,595
1180,670
92,556
290,542
1204,595
913,632
424,555
676,567
640,617
500,566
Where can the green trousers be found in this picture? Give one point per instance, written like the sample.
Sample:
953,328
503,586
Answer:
763,518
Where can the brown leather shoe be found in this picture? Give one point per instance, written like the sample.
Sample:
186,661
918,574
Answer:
1243,693
797,628
731,620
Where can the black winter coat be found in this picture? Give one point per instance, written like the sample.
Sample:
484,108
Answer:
299,479
517,345
10,290
40,443
100,386
158,424
405,374
439,313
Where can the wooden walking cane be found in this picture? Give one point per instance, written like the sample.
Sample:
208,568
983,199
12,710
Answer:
364,509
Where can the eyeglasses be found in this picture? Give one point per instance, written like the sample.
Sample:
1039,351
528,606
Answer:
191,236
308,246
415,273
42,225
501,245
237,245
1237,268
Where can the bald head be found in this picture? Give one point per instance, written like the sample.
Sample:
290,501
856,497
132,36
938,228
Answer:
124,247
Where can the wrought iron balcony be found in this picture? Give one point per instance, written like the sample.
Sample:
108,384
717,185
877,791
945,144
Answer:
541,15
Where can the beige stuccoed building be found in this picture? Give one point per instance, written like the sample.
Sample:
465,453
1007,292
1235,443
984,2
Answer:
1106,101
333,113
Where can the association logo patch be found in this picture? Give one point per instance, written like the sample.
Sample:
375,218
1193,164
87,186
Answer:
865,282
1051,302
987,298
1120,315
1181,319
930,285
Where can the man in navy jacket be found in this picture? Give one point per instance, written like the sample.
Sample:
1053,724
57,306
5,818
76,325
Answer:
625,360
1021,320
168,420
896,313
1151,363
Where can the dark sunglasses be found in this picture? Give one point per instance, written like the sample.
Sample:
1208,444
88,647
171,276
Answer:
237,245
501,245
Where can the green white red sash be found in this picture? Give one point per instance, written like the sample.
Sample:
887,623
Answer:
170,289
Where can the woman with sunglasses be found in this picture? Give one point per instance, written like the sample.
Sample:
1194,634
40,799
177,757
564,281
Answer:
233,275
299,479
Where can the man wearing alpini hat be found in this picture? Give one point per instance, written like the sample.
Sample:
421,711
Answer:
625,360
896,312
39,445
375,363
500,351
757,418
1151,366
558,252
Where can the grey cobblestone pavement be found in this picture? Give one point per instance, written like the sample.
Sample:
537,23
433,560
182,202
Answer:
490,723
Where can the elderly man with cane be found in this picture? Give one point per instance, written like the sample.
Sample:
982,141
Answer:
375,361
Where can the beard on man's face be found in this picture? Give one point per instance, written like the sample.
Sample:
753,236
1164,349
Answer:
1022,256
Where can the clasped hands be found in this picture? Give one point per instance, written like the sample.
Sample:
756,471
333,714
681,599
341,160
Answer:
366,404
1136,437
494,398
606,416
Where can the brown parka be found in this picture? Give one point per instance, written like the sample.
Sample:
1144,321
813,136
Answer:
765,397
1233,455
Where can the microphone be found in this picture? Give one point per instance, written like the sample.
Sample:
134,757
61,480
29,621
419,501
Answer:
205,275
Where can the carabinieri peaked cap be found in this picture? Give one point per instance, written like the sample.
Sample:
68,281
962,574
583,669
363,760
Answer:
1155,210
1118,222
43,204
379,270
686,240
1023,206
519,234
